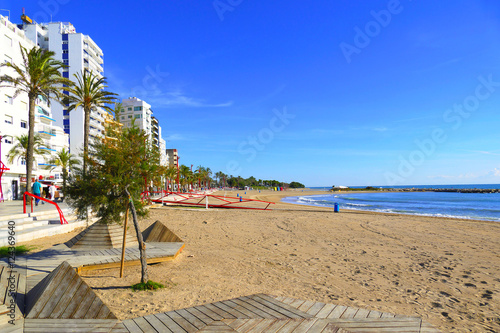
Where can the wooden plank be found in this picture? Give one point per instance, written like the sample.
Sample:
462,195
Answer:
212,314
216,327
157,324
240,308
144,325
263,326
362,313
258,309
305,325
85,304
131,326
119,328
325,311
72,305
319,325
268,310
315,308
193,320
94,309
234,313
63,284
44,291
167,321
387,315
374,314
200,315
186,325
349,313
337,312
244,325
305,306
285,309
290,325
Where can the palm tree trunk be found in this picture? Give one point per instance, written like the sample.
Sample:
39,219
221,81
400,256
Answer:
86,134
31,142
142,245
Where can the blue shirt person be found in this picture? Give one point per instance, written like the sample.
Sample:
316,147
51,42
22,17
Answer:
37,190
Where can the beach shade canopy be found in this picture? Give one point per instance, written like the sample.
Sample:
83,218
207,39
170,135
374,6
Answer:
102,236
158,232
64,295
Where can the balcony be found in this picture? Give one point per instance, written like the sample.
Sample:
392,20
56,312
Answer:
46,131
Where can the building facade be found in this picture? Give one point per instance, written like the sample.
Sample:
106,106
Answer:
80,53
138,112
14,120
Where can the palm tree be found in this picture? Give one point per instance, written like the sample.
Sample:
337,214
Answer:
20,149
89,93
185,174
38,75
66,161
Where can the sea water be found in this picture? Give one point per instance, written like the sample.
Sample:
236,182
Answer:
477,206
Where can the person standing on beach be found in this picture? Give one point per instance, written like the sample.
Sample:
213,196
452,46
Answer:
52,191
37,190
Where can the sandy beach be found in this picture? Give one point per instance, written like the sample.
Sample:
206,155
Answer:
446,271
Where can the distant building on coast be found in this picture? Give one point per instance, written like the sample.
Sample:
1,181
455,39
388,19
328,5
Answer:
80,53
172,157
14,119
140,113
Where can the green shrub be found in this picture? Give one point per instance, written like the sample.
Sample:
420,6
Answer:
150,285
21,249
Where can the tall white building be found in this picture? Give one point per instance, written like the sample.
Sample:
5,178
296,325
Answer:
140,113
14,119
79,52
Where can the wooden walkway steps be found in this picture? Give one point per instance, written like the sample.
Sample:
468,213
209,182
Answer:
265,313
102,236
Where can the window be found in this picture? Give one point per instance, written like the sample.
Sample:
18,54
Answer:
9,141
66,74
137,108
9,40
8,119
137,116
65,51
66,62
65,113
9,100
23,161
123,117
129,116
24,124
65,37
23,106
129,109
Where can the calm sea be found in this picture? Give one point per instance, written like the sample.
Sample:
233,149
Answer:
478,206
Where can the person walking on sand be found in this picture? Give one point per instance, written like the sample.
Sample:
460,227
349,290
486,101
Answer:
37,190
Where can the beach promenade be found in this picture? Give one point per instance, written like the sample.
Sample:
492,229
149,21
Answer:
417,267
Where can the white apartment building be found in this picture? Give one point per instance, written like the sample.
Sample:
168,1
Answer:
140,113
79,52
14,119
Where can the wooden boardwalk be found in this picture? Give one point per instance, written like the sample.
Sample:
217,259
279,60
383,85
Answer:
265,313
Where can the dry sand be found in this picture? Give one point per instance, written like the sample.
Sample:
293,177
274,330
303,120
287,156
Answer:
446,271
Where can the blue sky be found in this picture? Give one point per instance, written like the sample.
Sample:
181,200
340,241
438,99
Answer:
320,92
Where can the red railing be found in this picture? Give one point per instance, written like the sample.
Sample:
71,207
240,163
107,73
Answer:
61,215
228,202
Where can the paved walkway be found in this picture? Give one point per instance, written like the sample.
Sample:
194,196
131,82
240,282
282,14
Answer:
16,207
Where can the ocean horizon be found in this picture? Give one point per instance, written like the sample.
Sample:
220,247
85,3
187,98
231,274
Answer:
474,206
450,186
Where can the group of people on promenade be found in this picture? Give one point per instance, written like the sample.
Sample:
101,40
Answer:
37,190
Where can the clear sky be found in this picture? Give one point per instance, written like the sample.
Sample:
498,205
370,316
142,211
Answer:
322,92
